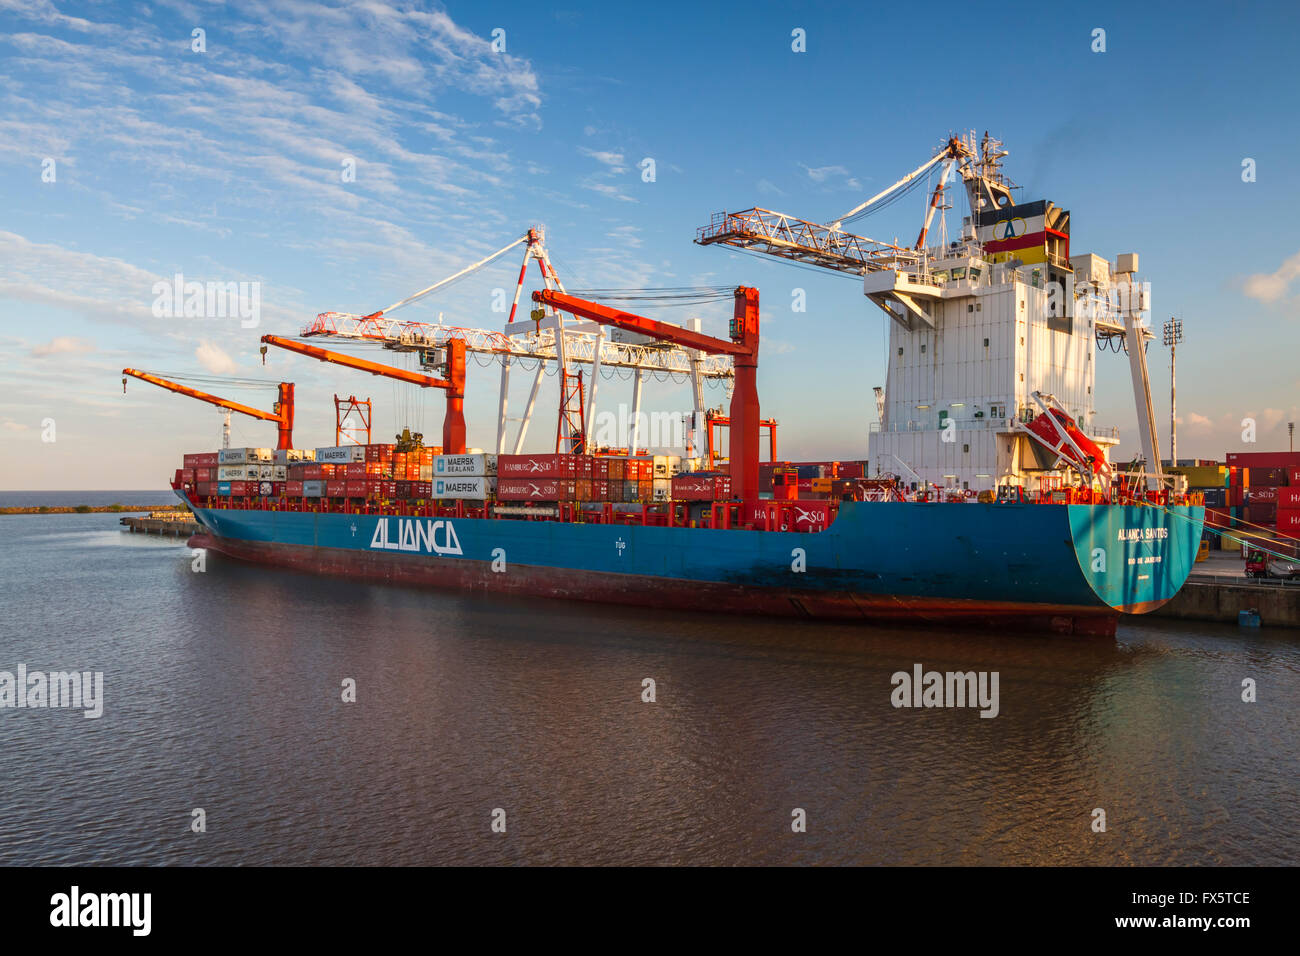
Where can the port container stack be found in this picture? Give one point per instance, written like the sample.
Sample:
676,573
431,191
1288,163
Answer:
1264,492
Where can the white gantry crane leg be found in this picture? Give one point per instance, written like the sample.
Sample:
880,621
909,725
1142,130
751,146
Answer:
588,416
1137,359
635,436
528,409
504,402
697,393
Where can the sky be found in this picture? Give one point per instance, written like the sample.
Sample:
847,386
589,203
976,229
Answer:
130,152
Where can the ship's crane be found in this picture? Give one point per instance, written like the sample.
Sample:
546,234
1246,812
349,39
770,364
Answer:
453,423
281,414
904,286
547,339
742,348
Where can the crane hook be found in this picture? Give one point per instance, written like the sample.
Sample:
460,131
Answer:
123,384
263,354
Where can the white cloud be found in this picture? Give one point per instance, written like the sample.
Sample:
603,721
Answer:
609,158
1268,287
63,345
214,359
831,175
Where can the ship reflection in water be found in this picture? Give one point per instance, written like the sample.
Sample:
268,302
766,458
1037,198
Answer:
223,691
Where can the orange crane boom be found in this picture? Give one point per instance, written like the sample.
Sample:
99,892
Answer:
453,423
282,416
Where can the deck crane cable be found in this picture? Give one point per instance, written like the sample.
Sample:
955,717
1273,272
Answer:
890,200
219,380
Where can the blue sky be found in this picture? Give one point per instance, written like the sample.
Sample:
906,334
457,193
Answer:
225,165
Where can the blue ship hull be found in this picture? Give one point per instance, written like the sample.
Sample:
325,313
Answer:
1065,568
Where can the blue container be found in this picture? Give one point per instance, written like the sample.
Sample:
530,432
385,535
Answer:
223,489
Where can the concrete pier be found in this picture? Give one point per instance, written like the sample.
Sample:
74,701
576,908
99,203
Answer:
1218,589
181,525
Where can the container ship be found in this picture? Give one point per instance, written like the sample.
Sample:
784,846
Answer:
987,496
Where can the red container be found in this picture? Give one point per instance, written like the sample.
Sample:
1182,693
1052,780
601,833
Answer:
379,453
239,489
387,489
293,489
537,466
851,469
701,487
421,489
335,488
200,459
1288,521
403,490
1262,514
535,489
600,468
1293,476
600,489
1288,498
1265,459
205,489
356,488
312,473
1260,495
1267,477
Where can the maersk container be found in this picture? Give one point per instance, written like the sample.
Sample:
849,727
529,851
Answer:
285,456
238,472
464,466
474,488
341,454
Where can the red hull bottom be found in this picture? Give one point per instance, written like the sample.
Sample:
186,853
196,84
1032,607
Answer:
647,591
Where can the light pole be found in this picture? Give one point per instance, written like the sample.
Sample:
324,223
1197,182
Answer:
1173,330
1290,432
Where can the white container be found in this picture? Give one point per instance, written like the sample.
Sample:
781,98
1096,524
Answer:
662,489
464,466
238,472
426,472
279,472
266,472
469,488
285,456
234,456
341,454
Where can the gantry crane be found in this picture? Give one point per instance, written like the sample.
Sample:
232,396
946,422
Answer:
282,413
453,423
742,348
546,339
